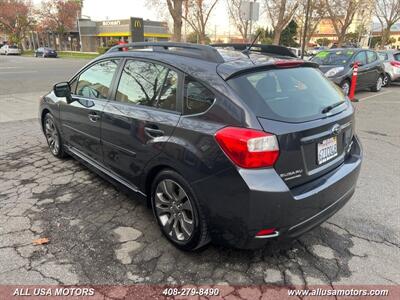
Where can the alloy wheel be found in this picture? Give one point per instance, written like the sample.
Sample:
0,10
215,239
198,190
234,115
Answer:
385,80
52,136
379,84
346,88
174,210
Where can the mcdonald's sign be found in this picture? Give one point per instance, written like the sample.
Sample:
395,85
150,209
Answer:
137,29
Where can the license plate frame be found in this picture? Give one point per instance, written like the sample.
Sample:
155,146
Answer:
327,150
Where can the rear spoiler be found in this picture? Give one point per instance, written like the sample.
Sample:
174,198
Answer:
259,48
279,64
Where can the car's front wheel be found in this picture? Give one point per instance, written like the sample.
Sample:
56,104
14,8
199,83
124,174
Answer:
177,211
378,84
53,136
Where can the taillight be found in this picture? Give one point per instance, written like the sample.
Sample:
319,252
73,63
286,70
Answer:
248,148
395,64
283,63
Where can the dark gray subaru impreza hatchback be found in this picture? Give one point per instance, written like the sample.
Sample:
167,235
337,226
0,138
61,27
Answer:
234,144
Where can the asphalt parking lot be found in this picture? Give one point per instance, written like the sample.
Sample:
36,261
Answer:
99,235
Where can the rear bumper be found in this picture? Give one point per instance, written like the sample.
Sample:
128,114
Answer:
240,203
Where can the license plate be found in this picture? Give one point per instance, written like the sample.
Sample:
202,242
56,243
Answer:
326,150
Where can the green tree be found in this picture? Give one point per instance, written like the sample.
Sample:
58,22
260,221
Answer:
194,38
264,36
323,41
288,35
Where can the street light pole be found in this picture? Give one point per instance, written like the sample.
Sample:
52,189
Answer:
303,44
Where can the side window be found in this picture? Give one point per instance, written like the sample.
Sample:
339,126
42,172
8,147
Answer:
397,56
197,97
148,84
371,56
73,85
361,57
95,82
382,56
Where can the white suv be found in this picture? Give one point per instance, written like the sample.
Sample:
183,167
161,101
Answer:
7,49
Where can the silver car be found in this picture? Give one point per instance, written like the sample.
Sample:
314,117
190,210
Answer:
10,49
391,62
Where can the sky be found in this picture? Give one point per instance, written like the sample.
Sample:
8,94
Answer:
123,9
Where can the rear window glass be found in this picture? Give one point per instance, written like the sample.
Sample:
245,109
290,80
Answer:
340,57
289,95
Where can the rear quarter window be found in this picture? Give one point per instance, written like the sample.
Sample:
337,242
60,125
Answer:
290,95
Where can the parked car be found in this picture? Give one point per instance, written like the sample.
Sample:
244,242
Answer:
391,63
315,50
10,49
45,52
224,143
338,64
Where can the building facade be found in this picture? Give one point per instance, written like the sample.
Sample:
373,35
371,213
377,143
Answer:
95,34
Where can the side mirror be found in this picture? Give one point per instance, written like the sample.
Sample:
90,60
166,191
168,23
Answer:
63,90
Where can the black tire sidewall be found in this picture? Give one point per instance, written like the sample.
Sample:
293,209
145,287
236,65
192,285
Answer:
194,241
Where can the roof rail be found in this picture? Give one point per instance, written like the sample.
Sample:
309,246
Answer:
185,49
260,48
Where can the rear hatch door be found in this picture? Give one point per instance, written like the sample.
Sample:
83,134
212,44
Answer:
310,116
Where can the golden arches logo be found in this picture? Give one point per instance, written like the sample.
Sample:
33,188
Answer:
137,24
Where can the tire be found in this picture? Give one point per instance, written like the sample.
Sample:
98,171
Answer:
386,80
53,137
345,86
181,221
378,85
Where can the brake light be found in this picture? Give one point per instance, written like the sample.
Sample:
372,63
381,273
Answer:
288,63
395,64
248,148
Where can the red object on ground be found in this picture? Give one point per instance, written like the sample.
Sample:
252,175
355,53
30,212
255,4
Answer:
353,81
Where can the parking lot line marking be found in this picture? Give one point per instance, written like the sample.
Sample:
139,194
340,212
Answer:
18,72
372,96
8,68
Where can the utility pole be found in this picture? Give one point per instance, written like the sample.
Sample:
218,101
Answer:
303,44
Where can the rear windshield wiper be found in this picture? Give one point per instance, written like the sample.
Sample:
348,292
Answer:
332,106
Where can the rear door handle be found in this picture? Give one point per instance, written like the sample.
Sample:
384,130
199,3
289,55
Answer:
94,117
153,132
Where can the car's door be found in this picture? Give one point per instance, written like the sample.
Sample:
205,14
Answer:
81,119
141,117
374,67
362,79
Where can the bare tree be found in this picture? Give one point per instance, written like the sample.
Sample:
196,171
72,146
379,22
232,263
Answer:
280,13
236,15
197,14
341,13
317,12
388,13
175,8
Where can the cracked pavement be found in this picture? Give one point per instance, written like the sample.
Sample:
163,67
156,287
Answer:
99,235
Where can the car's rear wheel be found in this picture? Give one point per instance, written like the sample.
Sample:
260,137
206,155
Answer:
345,85
386,80
178,214
53,136
378,85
